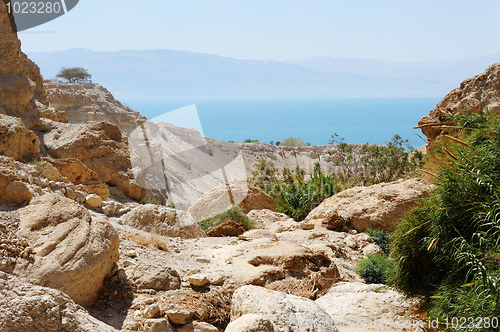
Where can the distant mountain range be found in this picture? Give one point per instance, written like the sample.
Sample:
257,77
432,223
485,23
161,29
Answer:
167,73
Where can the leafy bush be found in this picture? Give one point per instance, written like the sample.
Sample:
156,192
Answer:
373,164
294,141
295,193
249,140
234,213
449,247
381,237
375,268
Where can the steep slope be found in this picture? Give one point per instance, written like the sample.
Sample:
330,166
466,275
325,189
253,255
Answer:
474,94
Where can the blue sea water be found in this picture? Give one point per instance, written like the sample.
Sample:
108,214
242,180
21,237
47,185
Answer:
357,120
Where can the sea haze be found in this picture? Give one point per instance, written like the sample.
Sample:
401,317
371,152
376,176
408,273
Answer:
358,120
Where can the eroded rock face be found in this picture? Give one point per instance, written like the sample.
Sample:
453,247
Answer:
378,206
21,86
249,196
83,103
164,221
15,140
288,313
474,94
99,146
73,250
25,307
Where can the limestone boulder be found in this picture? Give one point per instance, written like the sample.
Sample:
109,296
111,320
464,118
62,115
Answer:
164,221
474,94
25,307
378,206
14,192
99,146
73,250
251,323
15,139
197,327
272,221
243,192
349,302
153,276
288,313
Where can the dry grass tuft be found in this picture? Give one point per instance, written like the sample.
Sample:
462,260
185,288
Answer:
147,239
213,307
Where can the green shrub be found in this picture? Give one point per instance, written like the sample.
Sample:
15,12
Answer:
381,237
453,238
373,164
375,268
295,193
294,141
234,213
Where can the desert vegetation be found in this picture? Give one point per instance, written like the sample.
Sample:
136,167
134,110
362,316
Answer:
448,248
297,193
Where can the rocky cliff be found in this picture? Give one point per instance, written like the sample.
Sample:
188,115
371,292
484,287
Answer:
474,94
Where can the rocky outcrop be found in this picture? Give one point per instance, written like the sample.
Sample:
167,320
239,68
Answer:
25,307
240,191
21,86
73,250
15,140
378,206
474,94
287,313
98,146
87,102
164,221
13,191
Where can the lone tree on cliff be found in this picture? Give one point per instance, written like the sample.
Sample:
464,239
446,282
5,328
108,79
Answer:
74,74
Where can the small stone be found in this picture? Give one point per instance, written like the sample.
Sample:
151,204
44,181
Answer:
198,280
70,193
350,242
52,184
122,276
306,225
202,260
152,311
159,325
216,279
127,263
180,317
131,253
149,301
93,201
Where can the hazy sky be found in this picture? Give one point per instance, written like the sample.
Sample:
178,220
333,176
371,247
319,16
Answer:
402,31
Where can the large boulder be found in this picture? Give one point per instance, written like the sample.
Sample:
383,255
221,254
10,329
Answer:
73,250
368,305
474,94
378,206
25,307
164,221
288,313
152,276
15,140
13,192
99,146
243,192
